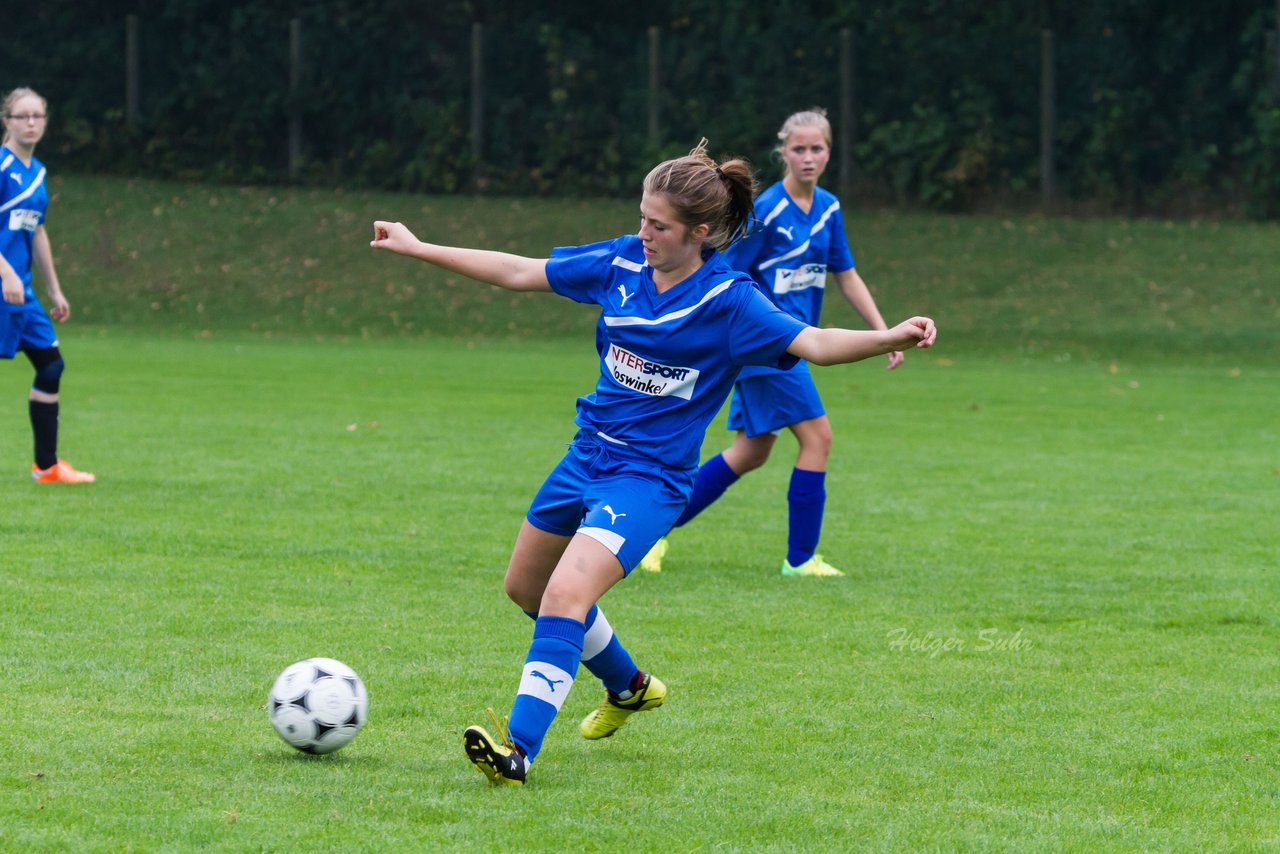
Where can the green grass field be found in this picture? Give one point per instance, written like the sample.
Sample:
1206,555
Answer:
1058,632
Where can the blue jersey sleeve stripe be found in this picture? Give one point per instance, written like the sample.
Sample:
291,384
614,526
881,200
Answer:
35,185
6,162
666,318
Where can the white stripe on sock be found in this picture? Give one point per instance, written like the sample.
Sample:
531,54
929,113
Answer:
597,638
546,682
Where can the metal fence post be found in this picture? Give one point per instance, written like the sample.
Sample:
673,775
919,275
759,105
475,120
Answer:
295,98
848,116
654,86
477,97
132,73
1048,120
1275,72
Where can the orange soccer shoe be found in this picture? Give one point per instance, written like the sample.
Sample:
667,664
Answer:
60,472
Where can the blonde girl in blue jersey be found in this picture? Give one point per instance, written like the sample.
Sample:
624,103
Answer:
24,324
676,326
799,239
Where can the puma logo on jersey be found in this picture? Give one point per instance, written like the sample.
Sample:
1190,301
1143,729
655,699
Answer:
616,516
625,296
786,231
15,176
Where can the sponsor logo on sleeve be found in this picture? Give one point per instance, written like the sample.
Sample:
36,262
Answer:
640,374
807,276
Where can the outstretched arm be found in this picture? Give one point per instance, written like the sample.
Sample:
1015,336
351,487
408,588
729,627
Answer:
839,346
513,272
859,296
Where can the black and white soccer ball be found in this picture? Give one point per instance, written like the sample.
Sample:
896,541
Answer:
318,705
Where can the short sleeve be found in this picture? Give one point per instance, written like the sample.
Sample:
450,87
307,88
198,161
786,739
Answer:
581,273
839,256
761,332
745,254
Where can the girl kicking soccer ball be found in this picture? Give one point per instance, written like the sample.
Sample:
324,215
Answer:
676,325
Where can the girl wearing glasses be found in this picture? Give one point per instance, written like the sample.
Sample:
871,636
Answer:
24,243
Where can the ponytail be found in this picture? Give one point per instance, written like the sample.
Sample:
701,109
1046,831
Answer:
700,190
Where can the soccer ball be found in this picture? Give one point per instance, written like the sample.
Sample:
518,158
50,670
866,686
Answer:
318,705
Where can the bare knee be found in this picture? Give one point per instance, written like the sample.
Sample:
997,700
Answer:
815,440
748,454
533,559
522,590
564,599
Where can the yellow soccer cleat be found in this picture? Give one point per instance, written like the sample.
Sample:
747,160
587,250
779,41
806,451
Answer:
499,760
60,472
813,566
613,712
652,562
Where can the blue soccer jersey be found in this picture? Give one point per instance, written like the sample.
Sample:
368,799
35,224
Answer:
790,252
669,360
23,202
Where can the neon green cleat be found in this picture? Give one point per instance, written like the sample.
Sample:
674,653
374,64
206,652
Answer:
813,566
497,759
613,713
652,562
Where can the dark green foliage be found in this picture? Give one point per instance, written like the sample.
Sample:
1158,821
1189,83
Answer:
1160,106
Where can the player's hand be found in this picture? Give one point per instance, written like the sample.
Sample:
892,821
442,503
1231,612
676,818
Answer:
61,309
895,359
916,332
393,236
13,290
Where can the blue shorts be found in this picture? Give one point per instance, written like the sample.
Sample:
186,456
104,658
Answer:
619,498
25,327
766,403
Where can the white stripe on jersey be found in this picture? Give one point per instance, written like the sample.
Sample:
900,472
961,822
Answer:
25,193
619,261
799,250
777,209
818,226
822,221
675,315
7,161
608,438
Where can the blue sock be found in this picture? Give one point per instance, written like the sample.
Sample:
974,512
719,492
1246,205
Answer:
714,477
603,654
547,679
806,500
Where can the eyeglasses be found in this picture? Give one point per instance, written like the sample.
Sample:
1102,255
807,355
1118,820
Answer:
29,117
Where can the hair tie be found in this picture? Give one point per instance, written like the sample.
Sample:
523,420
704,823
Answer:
720,173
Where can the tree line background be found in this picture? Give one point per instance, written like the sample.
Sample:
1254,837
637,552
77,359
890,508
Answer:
1162,105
